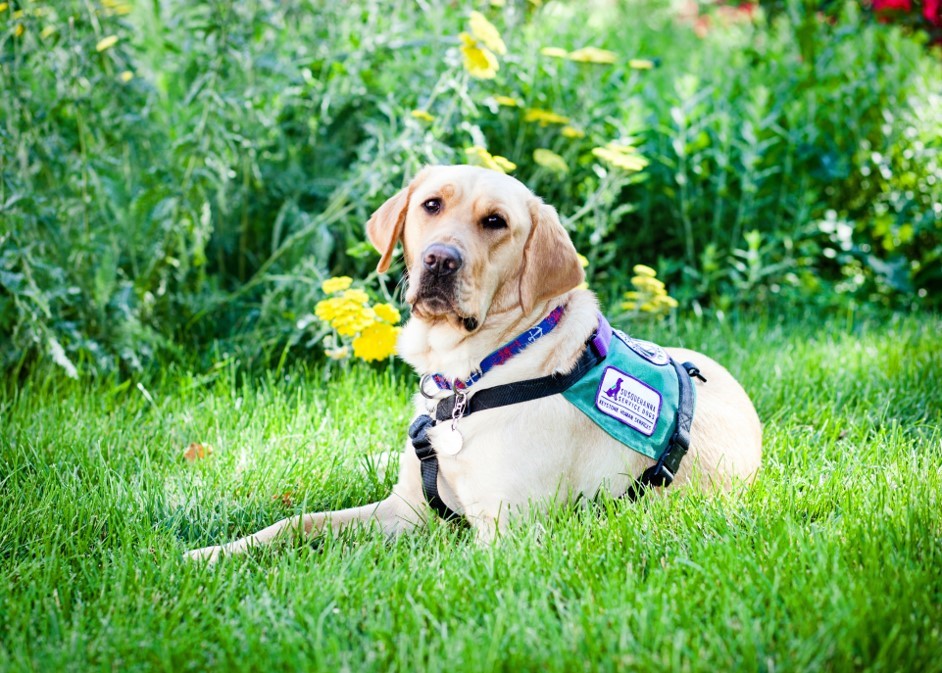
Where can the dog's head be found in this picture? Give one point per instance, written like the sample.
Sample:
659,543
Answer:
475,242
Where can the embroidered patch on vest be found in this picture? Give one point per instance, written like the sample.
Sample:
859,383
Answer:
628,401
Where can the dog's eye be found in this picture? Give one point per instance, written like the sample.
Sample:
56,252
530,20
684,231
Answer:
494,222
432,206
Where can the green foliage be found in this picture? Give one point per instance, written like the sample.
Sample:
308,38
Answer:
197,179
770,140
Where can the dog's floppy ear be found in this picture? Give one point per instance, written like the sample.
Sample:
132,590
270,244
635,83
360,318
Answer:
384,228
550,262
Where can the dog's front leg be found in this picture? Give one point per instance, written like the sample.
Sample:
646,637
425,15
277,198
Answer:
394,515
402,511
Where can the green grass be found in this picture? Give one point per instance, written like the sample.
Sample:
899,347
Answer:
832,561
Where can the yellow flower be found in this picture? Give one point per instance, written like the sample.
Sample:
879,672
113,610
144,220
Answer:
106,43
387,313
584,263
647,283
665,301
376,342
504,165
623,157
543,117
337,353
640,64
478,156
485,32
353,319
48,31
649,295
572,132
347,315
422,115
593,55
328,309
126,76
554,52
550,160
336,284
356,295
3,6
19,30
506,101
479,61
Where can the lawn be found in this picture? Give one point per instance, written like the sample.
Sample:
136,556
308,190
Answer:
831,561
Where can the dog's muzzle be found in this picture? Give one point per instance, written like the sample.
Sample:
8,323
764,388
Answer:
438,283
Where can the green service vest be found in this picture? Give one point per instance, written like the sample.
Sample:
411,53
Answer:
632,395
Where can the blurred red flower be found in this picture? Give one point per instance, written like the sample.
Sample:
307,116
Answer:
885,8
930,10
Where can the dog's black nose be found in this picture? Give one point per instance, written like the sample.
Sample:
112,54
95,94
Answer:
441,260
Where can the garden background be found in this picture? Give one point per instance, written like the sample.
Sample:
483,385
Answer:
187,298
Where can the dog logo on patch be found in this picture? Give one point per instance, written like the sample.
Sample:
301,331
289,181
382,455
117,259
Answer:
649,351
628,401
613,391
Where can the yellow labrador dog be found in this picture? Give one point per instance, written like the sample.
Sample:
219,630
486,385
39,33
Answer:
487,261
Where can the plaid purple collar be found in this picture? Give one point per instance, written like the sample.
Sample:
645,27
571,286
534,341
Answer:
502,354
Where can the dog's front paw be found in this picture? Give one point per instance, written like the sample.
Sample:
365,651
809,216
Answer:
206,554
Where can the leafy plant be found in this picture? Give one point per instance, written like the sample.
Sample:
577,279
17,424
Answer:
174,174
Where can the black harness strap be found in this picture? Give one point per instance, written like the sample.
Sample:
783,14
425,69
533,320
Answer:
489,398
522,391
418,433
660,474
663,471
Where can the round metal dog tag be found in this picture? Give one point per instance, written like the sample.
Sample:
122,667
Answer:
447,441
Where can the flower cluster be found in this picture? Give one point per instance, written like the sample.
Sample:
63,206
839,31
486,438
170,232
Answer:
422,115
478,156
649,296
543,117
481,47
551,161
506,101
370,331
621,156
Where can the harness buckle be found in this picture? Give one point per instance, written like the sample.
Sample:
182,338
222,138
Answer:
461,401
660,476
